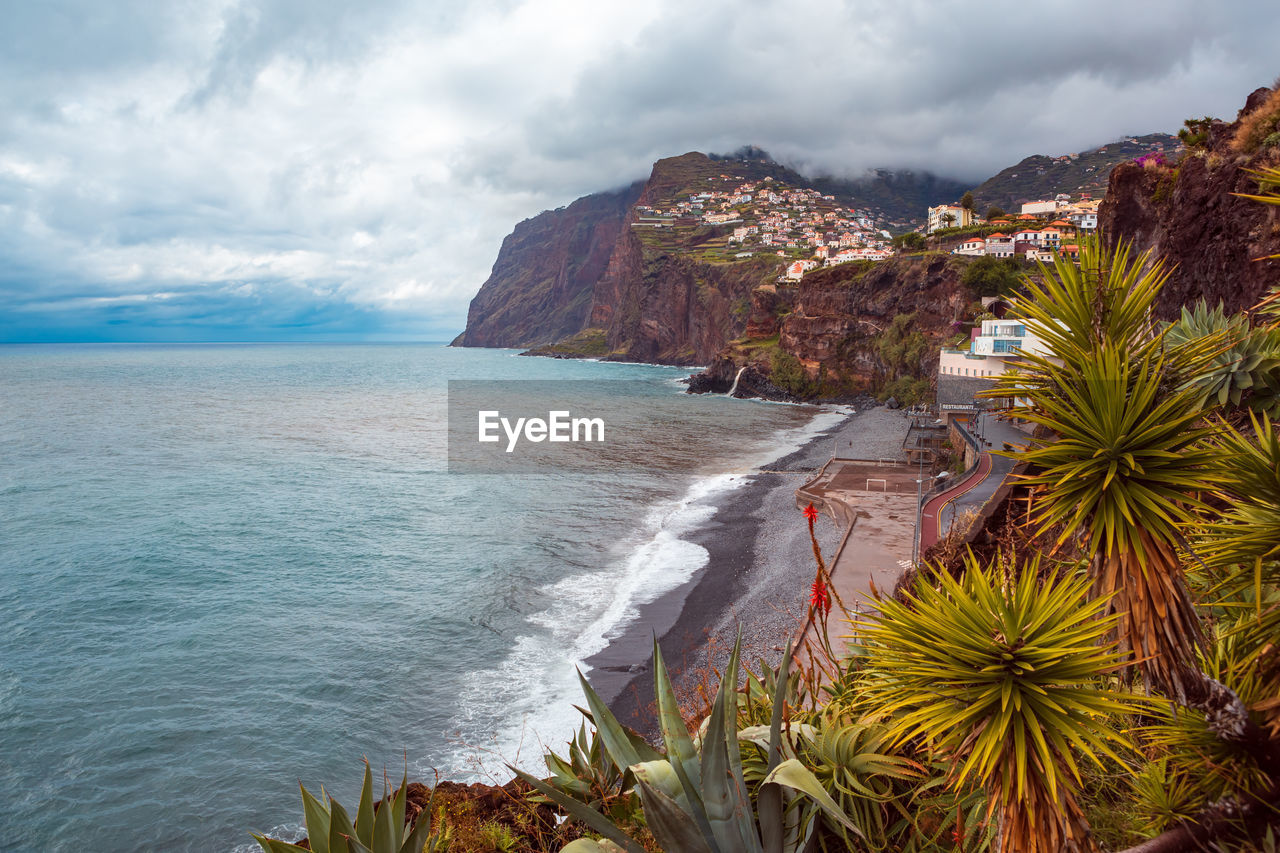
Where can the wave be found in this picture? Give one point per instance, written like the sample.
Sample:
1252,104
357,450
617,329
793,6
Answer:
527,701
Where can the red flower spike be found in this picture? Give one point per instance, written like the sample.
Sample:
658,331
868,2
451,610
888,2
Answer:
811,513
818,597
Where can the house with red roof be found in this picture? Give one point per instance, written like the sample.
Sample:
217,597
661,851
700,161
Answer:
971,246
999,245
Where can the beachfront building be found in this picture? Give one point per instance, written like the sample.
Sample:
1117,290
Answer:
993,349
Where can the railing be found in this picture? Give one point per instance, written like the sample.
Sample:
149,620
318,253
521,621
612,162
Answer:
947,481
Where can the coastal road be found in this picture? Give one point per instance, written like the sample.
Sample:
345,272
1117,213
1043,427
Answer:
931,516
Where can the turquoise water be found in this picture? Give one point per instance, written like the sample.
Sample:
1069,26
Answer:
227,568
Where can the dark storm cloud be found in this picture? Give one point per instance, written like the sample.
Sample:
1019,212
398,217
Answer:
282,167
958,88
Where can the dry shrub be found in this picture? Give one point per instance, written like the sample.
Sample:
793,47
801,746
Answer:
1257,125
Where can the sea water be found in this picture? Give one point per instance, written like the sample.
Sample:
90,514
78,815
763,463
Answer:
225,569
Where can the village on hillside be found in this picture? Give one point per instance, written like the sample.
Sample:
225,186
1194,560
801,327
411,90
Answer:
774,218
1034,234
807,229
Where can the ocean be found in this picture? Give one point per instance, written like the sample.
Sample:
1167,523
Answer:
228,568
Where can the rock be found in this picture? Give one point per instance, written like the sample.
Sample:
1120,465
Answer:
840,311
1210,239
891,403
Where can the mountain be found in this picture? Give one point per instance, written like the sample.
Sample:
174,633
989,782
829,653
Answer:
1214,243
898,198
655,272
1041,177
540,288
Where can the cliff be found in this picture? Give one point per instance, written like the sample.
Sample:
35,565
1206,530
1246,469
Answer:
641,275
1186,212
842,311
541,285
845,330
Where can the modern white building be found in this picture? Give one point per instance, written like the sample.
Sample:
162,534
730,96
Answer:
990,351
1037,208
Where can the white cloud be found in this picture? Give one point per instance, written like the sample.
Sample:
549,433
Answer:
374,159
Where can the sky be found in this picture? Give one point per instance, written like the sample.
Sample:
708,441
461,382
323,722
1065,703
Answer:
221,170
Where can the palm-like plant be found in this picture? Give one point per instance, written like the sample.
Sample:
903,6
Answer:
1122,463
1005,682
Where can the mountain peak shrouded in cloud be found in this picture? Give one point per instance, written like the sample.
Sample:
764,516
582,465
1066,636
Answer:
293,170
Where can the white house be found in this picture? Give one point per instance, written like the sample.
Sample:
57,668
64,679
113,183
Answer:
1084,220
796,271
971,246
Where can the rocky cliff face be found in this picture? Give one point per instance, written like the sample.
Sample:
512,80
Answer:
594,272
840,311
832,321
1188,216
541,285
669,308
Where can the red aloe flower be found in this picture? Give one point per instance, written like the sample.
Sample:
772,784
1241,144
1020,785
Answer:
818,597
811,513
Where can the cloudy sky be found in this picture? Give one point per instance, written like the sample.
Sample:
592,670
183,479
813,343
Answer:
314,169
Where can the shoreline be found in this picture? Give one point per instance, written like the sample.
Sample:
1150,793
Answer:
760,566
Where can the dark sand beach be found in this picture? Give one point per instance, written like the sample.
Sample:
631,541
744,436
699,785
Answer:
757,578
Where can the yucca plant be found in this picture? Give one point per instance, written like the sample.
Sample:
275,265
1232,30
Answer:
695,798
375,830
1122,461
1007,682
1248,531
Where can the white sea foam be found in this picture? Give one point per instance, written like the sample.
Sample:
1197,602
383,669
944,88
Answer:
532,693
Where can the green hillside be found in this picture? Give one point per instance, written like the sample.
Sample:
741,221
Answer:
1041,177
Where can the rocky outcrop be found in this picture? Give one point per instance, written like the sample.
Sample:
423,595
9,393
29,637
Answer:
669,308
1188,215
831,324
840,311
541,285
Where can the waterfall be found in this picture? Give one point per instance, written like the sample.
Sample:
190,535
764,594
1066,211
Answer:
738,376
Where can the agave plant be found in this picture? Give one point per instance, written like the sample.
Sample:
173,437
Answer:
850,762
695,797
375,830
1244,366
588,774
1005,682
